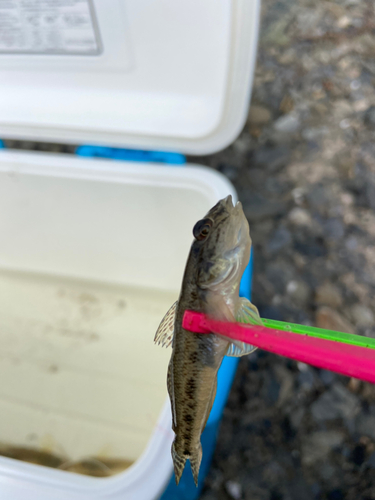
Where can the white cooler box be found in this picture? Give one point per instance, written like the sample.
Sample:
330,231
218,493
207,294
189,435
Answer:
92,251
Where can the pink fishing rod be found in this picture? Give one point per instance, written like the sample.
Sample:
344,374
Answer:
340,357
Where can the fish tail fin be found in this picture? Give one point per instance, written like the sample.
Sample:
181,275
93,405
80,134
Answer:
195,463
178,463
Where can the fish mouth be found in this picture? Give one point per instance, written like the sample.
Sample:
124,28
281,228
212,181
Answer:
228,202
237,208
232,209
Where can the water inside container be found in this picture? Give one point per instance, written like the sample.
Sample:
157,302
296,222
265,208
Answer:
81,382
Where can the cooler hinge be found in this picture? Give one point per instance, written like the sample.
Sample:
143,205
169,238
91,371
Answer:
131,155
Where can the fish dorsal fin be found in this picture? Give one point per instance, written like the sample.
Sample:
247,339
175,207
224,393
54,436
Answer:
247,313
164,334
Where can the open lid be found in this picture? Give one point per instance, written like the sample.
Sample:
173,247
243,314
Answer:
150,74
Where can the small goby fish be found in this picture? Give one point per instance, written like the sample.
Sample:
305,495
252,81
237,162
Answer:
218,257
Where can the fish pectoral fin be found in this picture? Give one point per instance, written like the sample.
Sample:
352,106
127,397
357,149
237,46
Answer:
247,313
164,334
239,349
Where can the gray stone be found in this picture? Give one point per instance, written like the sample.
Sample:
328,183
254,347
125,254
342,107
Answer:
370,332
351,243
280,239
285,379
319,196
271,391
258,208
287,124
279,273
370,116
230,171
259,115
276,34
334,229
317,446
345,123
258,177
327,471
335,403
298,195
299,489
362,316
371,461
331,320
300,217
365,425
234,489
326,377
370,194
271,312
256,492
306,380
308,19
242,144
273,472
209,495
296,417
272,158
355,85
299,291
314,133
328,295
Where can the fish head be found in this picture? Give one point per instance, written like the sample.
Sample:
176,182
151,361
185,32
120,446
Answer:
222,247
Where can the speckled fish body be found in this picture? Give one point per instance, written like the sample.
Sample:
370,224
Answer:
217,259
192,375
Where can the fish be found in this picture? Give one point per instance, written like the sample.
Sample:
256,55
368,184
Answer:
218,257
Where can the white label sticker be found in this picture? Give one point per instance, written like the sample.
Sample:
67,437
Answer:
48,27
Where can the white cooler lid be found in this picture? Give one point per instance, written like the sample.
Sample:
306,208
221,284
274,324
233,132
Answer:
170,75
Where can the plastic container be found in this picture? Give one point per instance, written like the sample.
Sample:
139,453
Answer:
81,296
159,75
92,251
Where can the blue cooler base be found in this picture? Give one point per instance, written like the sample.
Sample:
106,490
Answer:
186,490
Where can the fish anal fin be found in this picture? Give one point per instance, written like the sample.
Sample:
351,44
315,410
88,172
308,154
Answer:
164,333
209,408
171,394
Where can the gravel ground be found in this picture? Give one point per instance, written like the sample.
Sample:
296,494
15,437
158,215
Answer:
304,167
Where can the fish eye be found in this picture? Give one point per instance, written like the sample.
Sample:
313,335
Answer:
202,229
